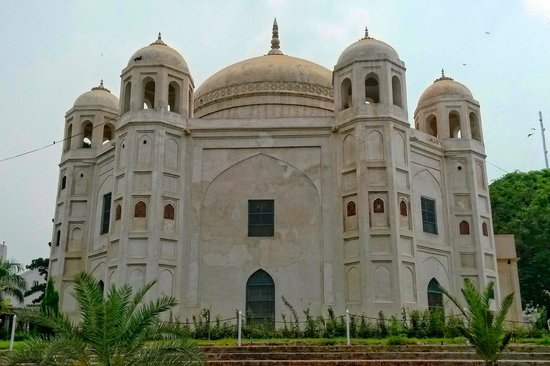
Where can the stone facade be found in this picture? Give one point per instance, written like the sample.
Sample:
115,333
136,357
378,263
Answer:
365,212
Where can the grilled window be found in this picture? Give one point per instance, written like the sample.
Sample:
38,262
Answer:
106,214
429,218
260,218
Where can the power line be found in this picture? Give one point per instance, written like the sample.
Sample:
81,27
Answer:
496,166
55,142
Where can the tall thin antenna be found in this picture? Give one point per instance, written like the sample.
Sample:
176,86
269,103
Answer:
543,140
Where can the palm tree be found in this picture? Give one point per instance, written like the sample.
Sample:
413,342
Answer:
11,283
114,330
484,328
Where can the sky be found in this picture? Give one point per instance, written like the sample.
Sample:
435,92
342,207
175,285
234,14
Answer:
54,51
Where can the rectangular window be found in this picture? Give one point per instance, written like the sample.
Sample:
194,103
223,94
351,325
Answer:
260,217
429,219
106,214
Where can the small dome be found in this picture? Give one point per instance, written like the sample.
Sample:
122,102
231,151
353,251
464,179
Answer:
99,96
159,53
366,48
445,87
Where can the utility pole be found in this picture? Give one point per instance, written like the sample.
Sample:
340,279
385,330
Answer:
543,140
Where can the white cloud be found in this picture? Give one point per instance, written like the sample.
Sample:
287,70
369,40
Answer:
538,8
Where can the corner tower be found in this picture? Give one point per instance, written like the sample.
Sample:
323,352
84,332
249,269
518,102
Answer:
373,169
448,112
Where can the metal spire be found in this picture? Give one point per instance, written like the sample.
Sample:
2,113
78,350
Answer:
159,40
275,43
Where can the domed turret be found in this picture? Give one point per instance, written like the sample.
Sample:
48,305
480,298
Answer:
445,87
369,80
157,77
274,85
159,53
97,97
445,108
90,123
366,49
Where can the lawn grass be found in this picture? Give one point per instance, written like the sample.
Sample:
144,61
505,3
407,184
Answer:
6,344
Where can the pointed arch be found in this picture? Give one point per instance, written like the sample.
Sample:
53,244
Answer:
87,130
140,209
348,150
345,94
372,88
351,209
107,133
378,206
431,125
169,212
435,295
260,299
118,212
127,97
485,229
403,209
68,137
174,97
454,124
464,227
149,90
475,130
396,91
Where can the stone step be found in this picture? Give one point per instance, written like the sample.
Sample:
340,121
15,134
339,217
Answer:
436,355
394,362
364,348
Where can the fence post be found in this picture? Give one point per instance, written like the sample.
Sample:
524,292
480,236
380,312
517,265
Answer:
14,320
347,328
239,327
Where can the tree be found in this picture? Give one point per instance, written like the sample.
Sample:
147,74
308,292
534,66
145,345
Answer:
520,205
484,328
11,283
116,329
40,264
51,299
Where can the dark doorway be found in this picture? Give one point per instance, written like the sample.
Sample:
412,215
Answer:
260,299
435,296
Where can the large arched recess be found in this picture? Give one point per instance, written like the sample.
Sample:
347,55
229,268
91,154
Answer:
292,256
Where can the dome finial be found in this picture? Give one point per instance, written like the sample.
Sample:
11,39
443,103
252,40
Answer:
366,33
101,87
443,77
159,40
275,43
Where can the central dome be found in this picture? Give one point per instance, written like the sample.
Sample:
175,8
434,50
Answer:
270,86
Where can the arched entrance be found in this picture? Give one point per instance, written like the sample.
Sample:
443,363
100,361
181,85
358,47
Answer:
435,296
260,298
